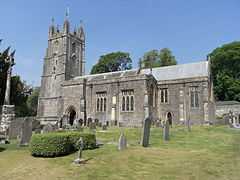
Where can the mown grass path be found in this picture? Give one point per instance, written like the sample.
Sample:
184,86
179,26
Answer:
205,153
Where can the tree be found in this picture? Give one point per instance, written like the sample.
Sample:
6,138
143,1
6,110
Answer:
19,89
155,58
225,68
166,57
151,59
32,101
19,96
116,61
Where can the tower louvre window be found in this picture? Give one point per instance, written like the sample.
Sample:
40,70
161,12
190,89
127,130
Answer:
73,47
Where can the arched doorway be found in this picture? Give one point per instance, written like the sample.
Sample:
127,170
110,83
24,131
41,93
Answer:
72,117
71,113
169,118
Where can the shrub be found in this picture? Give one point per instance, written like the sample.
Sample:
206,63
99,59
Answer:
50,145
57,144
89,140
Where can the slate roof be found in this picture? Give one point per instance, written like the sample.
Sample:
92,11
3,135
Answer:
223,103
102,76
181,71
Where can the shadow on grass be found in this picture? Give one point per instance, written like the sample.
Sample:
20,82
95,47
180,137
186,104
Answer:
83,161
2,149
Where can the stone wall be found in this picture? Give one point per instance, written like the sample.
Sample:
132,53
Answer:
178,104
15,126
87,89
223,108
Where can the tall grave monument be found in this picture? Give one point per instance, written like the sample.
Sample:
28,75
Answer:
8,112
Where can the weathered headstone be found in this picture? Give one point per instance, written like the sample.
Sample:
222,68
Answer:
35,124
26,132
89,121
158,123
146,132
47,128
81,122
92,126
104,127
96,122
122,142
76,124
166,131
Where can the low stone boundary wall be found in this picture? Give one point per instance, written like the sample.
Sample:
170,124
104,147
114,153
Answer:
16,124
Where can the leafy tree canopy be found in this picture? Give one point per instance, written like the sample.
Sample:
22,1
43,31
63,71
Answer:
19,89
225,68
115,61
19,96
32,101
155,58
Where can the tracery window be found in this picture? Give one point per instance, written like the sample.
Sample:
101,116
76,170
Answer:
101,101
127,100
164,95
194,97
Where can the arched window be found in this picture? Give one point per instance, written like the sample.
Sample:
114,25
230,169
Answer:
128,100
194,97
101,101
101,105
123,103
105,104
127,104
98,103
132,103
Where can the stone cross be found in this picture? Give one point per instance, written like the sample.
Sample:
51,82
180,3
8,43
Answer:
146,132
80,144
166,131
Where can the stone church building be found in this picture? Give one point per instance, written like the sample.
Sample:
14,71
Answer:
124,98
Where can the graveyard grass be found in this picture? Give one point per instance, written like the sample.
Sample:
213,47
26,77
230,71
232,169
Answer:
204,153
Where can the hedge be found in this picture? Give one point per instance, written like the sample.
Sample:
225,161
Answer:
57,144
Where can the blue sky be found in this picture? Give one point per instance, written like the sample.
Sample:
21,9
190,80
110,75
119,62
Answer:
191,29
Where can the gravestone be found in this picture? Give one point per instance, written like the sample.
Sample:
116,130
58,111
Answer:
76,124
92,126
25,132
104,127
81,122
89,121
48,128
166,131
96,122
35,124
122,142
158,123
146,132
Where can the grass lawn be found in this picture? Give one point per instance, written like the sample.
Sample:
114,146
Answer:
202,154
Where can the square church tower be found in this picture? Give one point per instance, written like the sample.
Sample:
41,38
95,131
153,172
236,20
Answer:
64,60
